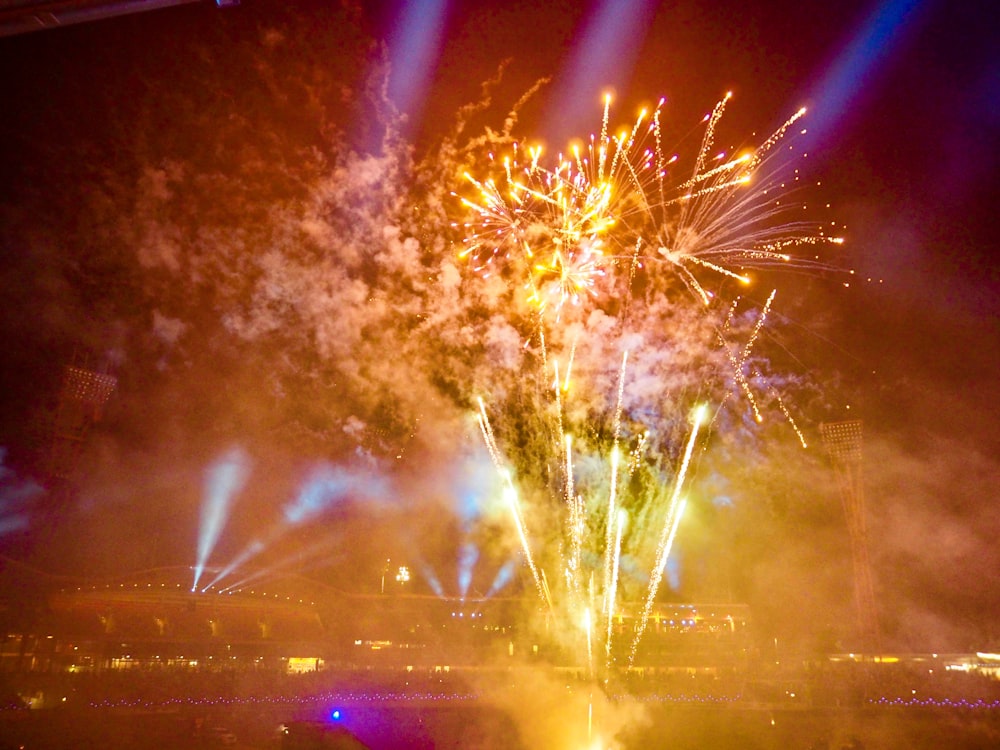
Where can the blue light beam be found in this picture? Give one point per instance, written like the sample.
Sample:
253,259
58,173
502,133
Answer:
431,578
502,578
468,555
223,480
17,498
604,57
310,556
326,487
857,67
414,45
249,552
322,490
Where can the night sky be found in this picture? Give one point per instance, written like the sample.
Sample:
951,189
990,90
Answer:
150,169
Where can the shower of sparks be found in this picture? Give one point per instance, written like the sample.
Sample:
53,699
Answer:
789,417
613,583
611,229
563,227
582,602
675,510
738,364
756,329
609,549
510,494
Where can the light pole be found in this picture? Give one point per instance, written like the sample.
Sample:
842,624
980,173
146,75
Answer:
843,441
385,570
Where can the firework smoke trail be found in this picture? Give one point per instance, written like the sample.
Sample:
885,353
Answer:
675,510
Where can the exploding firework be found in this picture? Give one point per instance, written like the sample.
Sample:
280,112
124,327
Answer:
624,202
597,242
593,326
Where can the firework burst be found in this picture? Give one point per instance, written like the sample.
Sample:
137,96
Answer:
606,233
623,202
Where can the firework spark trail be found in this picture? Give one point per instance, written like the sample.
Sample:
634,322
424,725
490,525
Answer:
510,495
609,531
569,366
574,503
766,146
744,384
789,417
487,430
674,511
737,364
617,426
730,314
756,329
636,455
575,522
590,717
612,591
622,148
557,392
588,626
709,137
725,167
604,137
613,489
546,593
542,348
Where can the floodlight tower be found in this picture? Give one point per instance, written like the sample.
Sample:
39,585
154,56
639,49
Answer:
843,442
82,398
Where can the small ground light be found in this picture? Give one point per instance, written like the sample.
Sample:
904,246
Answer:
335,714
